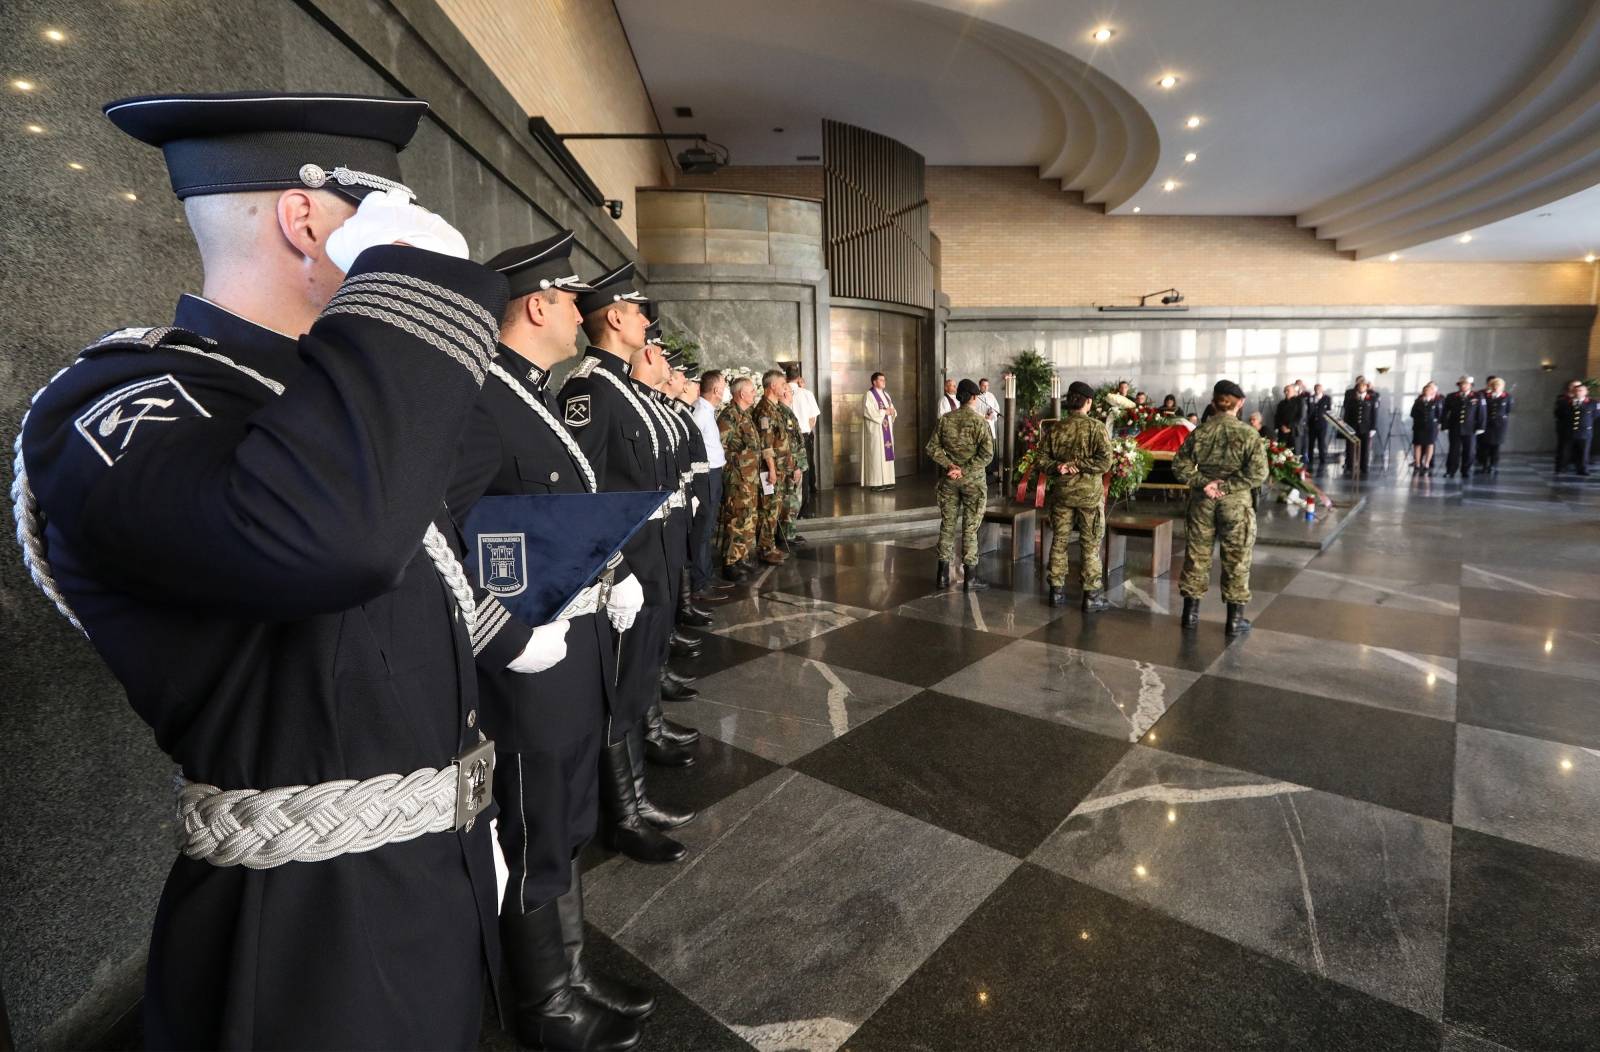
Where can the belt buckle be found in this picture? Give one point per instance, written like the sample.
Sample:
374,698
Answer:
474,783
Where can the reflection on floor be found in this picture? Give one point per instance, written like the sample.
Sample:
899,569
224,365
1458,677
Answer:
950,821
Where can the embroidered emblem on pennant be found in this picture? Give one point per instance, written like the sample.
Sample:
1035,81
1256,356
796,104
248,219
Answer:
577,411
112,423
503,563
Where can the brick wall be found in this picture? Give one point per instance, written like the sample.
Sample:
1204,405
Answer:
569,62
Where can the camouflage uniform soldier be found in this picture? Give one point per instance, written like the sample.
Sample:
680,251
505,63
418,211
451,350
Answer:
793,486
1223,463
1077,452
962,446
779,464
736,522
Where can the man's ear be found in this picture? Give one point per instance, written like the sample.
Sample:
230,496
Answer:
533,309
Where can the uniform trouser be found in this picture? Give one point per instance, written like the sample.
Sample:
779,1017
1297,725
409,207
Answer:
1350,455
1574,451
1091,526
548,809
1488,454
705,522
1233,524
1317,439
960,502
736,526
808,484
769,516
1461,453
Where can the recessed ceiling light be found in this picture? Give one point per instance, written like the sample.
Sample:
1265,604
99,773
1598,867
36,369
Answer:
1168,80
1393,256
55,36
129,195
37,129
22,85
1189,157
1137,209
1192,122
1103,34
1170,185
1464,238
1589,258
75,166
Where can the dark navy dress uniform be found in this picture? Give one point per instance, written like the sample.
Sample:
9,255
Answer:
1318,409
1361,413
1574,432
1497,421
1463,417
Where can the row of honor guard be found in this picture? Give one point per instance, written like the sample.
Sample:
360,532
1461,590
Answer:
307,526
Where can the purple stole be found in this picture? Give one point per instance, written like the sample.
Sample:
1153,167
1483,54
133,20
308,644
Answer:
888,431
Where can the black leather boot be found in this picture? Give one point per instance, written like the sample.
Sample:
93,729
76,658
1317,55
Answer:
660,817
1058,595
693,616
684,645
675,687
623,998
676,733
1191,612
621,826
546,1012
734,572
1094,602
1237,625
657,749
942,578
972,580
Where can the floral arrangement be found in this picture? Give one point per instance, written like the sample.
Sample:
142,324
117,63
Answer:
1287,470
1145,417
1029,432
1130,466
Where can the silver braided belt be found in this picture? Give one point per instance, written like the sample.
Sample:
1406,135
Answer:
263,828
591,600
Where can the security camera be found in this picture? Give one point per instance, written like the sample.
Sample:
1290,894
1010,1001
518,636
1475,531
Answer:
614,207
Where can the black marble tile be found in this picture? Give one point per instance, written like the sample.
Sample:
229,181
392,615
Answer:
1530,610
717,652
1538,704
1413,630
1522,968
864,587
1048,963
903,649
996,777
1346,556
1395,759
1138,635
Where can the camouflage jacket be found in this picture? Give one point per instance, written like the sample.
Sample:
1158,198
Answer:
768,417
797,441
740,442
1224,449
1081,442
962,440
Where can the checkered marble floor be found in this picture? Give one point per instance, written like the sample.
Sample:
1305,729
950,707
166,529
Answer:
934,820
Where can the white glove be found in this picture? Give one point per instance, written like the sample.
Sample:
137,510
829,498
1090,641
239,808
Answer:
627,599
694,505
387,217
546,647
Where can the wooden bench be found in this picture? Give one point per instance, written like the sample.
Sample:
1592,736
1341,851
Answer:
1120,527
1021,521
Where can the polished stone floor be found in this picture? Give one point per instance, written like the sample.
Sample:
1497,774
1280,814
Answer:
947,821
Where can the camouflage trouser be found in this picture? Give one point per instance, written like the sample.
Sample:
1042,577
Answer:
1232,522
736,522
793,495
769,515
960,500
1091,526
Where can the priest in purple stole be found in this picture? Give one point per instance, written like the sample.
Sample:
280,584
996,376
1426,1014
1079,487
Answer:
877,436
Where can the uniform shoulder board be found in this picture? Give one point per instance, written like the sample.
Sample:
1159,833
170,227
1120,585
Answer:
585,367
147,339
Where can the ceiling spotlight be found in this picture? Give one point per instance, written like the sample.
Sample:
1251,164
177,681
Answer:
1103,34
1192,122
37,129
129,195
1137,209
55,36
22,85
1464,238
1393,256
75,166
1168,80
1189,157
1170,185
1589,258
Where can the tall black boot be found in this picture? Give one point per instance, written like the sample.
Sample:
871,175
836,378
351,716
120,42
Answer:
660,817
672,731
657,749
684,644
1191,612
675,687
972,580
942,578
547,1013
688,613
623,998
622,828
1237,625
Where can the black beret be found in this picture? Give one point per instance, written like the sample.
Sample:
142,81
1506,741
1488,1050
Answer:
1228,387
966,391
274,140
1081,389
542,265
611,287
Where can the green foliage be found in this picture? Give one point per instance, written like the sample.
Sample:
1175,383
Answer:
676,339
1033,382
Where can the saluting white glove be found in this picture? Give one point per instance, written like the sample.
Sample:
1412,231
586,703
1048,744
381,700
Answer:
545,649
387,217
627,599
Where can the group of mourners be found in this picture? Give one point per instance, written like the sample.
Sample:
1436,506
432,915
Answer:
1477,422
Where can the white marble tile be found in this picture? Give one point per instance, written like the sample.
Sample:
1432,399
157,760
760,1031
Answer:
779,619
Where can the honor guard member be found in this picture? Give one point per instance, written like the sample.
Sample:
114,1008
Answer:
741,480
1464,420
962,447
680,395
1361,413
602,407
1497,407
545,690
777,462
243,511
1224,463
1319,406
1574,415
1075,454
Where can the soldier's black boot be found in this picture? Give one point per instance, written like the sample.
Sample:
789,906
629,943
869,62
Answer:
621,827
657,749
942,578
734,572
674,732
675,687
684,644
1058,595
660,817
623,998
1237,625
688,613
972,580
1191,613
1095,601
546,1012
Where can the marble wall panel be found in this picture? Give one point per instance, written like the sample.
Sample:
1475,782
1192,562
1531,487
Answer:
751,334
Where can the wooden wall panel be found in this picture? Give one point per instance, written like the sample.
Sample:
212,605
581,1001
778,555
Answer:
875,218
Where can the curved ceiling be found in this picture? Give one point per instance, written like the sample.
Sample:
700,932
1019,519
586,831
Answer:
1382,125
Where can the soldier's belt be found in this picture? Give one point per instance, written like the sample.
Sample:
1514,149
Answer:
676,500
591,600
264,828
700,467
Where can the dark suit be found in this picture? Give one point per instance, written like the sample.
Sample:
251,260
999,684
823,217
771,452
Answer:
1361,413
1290,413
1574,431
1425,416
1318,409
1462,418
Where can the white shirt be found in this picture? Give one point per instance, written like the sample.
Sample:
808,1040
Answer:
705,418
947,403
992,404
805,407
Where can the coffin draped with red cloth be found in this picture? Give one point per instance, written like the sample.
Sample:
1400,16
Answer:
1163,442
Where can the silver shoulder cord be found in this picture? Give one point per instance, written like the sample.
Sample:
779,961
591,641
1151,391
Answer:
31,538
554,424
644,414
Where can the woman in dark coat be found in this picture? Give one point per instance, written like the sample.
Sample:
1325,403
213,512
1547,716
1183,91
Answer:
1425,416
1498,403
